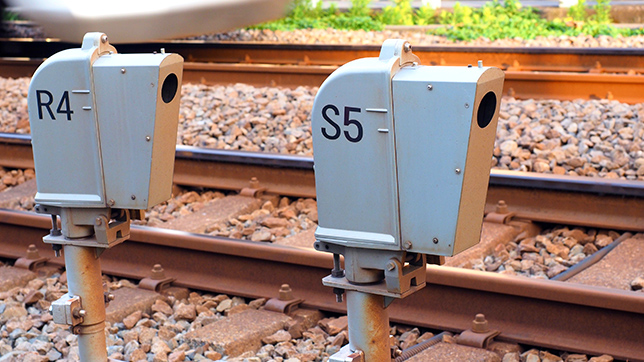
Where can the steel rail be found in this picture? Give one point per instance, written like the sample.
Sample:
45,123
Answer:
519,84
524,58
584,201
551,314
560,73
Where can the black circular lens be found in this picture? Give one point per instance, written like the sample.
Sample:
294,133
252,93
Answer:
169,88
486,109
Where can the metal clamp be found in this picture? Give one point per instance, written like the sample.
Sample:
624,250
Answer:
346,355
286,303
32,261
67,310
157,280
479,336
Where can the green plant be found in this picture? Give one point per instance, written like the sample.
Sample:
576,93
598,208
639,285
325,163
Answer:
578,11
493,21
10,16
425,15
399,14
602,12
360,8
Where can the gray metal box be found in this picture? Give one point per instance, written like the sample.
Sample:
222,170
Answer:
104,126
403,153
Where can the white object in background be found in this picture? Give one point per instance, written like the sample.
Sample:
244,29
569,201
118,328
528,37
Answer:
435,4
135,21
567,3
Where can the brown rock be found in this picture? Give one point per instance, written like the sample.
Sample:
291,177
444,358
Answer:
177,356
237,309
340,339
185,311
12,311
11,278
279,336
162,307
590,249
238,333
32,297
334,326
602,358
128,301
138,355
257,303
637,283
212,355
511,357
131,320
549,357
577,358
603,240
275,222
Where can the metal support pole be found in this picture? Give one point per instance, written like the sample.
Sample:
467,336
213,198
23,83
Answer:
368,325
84,280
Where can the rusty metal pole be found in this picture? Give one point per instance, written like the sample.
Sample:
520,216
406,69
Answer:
368,325
84,280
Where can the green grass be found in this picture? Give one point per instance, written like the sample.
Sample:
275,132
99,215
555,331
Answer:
492,21
11,16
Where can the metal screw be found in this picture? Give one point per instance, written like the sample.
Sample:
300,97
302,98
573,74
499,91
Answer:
104,39
430,87
435,240
285,292
458,171
133,197
467,105
32,252
122,70
338,294
479,324
157,272
407,47
98,221
501,207
111,202
391,266
148,138
407,244
111,296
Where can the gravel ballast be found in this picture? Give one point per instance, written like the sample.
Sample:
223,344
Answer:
596,138
29,334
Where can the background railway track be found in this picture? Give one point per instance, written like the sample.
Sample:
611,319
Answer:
595,202
550,314
560,73
547,313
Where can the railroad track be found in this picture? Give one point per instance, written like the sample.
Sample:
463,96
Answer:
593,202
557,73
579,318
550,314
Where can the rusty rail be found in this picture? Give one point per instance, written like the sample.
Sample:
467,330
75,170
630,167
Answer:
559,73
551,314
585,201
